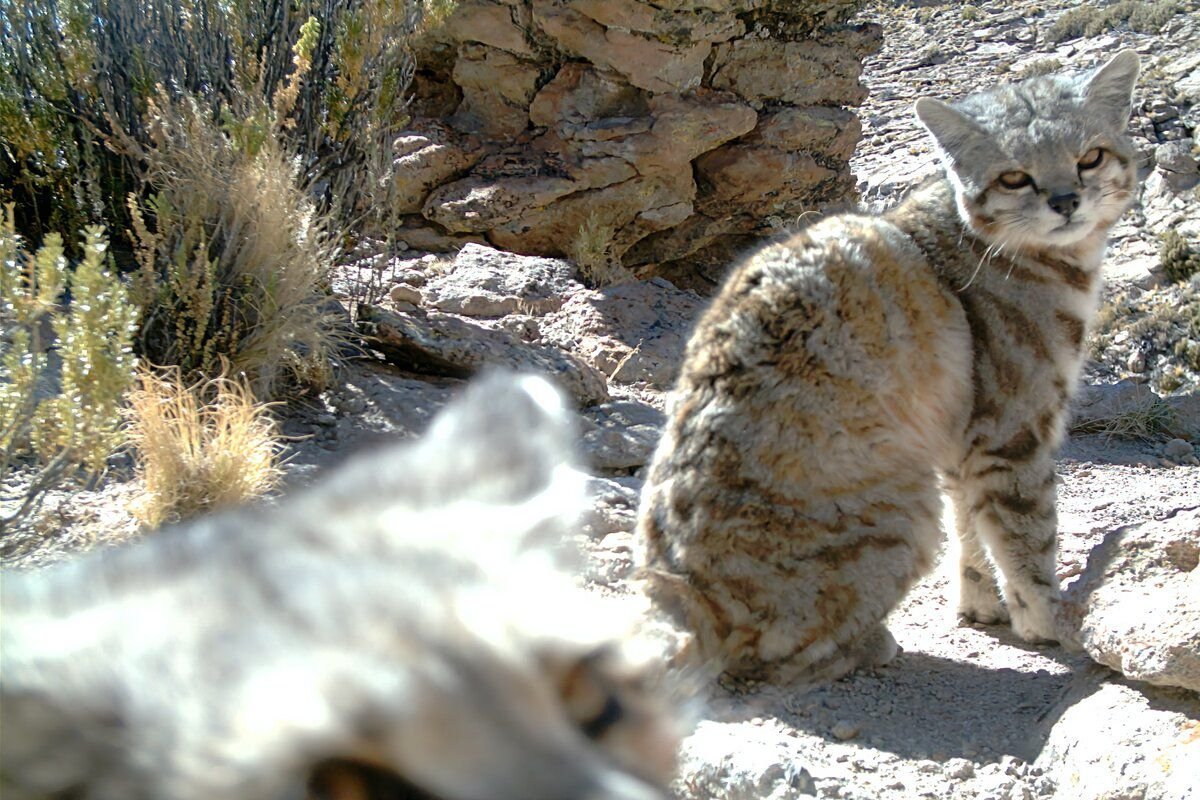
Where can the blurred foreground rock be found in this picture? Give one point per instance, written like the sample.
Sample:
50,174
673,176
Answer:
1097,748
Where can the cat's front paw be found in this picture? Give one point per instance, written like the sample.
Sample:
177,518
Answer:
979,599
1037,620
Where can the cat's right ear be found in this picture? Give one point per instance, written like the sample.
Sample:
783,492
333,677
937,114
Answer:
1110,88
953,130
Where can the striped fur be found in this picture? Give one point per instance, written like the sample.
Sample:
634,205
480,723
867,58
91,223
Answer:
842,377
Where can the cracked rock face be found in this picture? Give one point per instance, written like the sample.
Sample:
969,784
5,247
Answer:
649,125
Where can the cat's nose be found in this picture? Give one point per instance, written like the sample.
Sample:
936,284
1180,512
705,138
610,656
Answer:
1065,203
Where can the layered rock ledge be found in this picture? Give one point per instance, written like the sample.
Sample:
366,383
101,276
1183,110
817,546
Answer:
632,132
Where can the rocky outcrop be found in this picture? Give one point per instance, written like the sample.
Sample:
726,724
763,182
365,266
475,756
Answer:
660,129
634,333
1139,599
441,344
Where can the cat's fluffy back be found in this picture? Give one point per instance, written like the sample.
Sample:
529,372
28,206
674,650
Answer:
826,379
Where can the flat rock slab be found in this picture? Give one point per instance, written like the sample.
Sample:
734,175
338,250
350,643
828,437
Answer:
621,435
485,282
1139,598
634,333
441,344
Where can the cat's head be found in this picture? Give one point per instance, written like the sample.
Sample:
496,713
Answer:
1044,163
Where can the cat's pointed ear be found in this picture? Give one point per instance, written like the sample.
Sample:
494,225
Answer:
951,129
1109,89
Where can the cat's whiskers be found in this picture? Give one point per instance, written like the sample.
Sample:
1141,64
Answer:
994,249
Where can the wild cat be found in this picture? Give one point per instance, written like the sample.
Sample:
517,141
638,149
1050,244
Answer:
401,630
794,497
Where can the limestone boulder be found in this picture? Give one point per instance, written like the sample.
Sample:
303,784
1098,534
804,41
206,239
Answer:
497,87
633,333
613,506
424,158
799,73
621,435
1095,750
442,344
485,282
503,26
643,60
1139,601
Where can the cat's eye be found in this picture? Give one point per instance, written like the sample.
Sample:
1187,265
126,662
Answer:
1015,180
589,695
1092,158
610,713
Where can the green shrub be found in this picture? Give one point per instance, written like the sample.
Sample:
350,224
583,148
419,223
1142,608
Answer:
84,345
77,78
1178,258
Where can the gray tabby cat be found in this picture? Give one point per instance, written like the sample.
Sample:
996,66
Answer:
794,497
402,629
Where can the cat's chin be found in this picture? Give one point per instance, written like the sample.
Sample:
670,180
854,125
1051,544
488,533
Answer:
1068,234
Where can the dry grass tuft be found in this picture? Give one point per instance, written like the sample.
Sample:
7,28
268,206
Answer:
233,257
199,448
591,250
1153,419
1042,66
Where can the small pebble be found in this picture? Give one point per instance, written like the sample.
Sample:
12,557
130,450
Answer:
844,730
960,769
1178,449
351,405
401,293
326,420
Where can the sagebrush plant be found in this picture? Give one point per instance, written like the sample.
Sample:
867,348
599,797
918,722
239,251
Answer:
1091,20
1180,260
199,447
232,256
77,77
66,363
